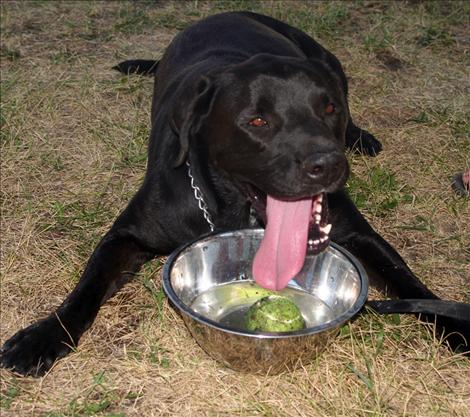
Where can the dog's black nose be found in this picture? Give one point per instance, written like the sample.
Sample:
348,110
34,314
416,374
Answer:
324,167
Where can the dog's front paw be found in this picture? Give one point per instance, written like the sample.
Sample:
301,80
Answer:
366,144
33,350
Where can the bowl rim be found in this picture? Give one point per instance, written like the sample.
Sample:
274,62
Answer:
185,309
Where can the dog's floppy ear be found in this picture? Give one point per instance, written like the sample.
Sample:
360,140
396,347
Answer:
189,112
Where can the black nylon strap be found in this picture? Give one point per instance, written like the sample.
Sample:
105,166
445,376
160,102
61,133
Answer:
456,310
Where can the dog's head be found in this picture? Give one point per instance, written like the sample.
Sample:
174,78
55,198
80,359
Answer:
276,127
275,123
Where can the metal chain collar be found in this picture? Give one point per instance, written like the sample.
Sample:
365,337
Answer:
200,199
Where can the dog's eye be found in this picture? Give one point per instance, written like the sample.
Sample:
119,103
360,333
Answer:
330,108
258,122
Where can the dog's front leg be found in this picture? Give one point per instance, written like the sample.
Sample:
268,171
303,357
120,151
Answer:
33,350
388,270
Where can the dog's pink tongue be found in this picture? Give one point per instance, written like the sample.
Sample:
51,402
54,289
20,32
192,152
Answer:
282,252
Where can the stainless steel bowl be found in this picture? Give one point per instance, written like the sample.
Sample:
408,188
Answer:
334,277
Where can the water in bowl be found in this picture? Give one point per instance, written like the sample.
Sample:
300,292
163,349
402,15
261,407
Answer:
228,303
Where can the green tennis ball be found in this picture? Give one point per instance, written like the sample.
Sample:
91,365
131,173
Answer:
274,313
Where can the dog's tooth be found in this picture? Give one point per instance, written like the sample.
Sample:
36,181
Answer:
316,242
317,206
326,229
317,218
310,242
320,199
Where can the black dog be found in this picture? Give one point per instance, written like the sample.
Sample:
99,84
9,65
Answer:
255,112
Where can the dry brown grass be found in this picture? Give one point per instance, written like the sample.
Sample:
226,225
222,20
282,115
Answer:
73,152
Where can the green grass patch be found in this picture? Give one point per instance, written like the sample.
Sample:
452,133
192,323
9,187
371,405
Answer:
419,224
132,20
130,85
64,56
134,153
171,20
447,12
378,40
97,400
8,133
324,24
457,120
434,36
9,53
232,5
157,356
53,159
7,397
66,216
157,293
378,192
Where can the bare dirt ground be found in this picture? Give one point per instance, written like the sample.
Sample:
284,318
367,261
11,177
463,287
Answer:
73,141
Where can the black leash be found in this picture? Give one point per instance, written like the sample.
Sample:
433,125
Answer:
444,308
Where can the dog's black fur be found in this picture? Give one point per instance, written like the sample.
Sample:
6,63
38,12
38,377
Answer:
215,77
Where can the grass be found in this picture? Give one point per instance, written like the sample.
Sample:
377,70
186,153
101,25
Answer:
379,192
73,152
